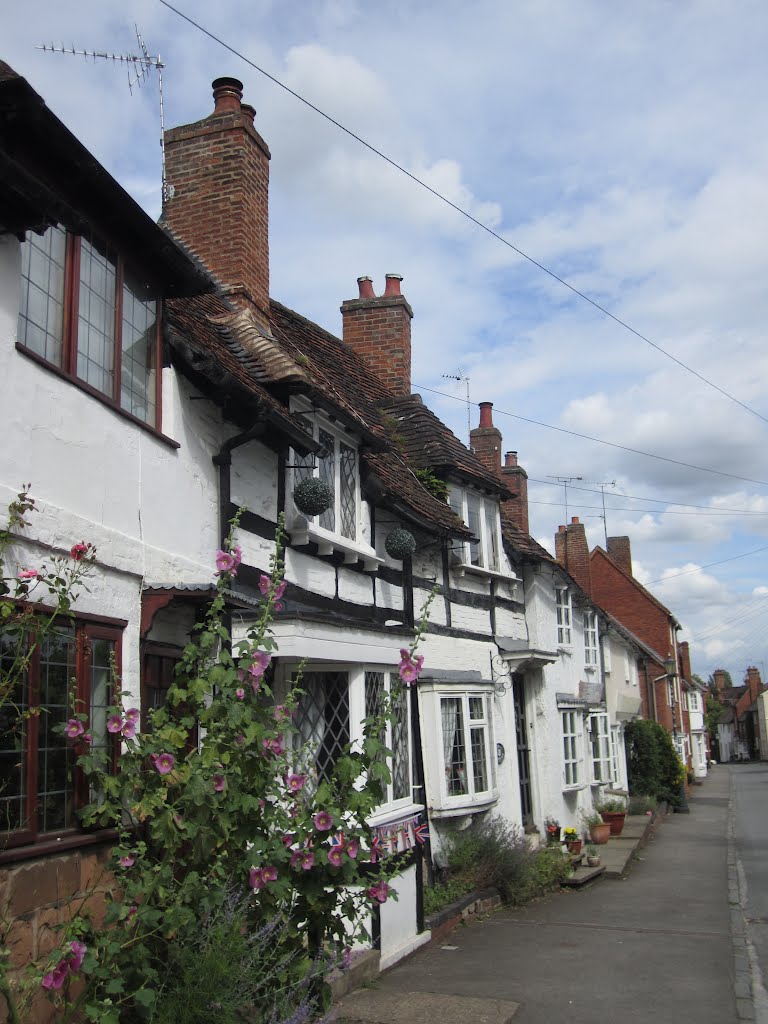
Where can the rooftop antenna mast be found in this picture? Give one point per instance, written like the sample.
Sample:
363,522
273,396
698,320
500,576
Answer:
565,480
139,67
602,486
460,375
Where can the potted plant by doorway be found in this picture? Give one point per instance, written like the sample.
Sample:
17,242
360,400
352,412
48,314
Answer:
552,828
599,830
613,811
593,857
572,840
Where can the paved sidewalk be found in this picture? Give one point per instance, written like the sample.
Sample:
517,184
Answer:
655,945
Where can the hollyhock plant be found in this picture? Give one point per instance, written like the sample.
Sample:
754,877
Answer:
228,561
410,667
240,693
323,821
352,848
296,782
74,728
132,715
269,873
336,856
114,723
219,783
303,859
127,861
380,892
163,763
129,729
256,879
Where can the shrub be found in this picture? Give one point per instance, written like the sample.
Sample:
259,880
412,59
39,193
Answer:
641,804
653,766
613,806
442,895
492,854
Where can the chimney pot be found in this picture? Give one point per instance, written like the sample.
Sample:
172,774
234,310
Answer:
574,519
227,94
510,459
248,110
365,287
562,529
486,415
393,284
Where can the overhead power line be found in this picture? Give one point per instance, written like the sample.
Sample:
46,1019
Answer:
660,501
644,511
460,210
601,440
687,572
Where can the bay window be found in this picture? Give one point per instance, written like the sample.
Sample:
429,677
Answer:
84,312
41,788
465,721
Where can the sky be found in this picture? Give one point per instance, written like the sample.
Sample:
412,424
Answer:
622,146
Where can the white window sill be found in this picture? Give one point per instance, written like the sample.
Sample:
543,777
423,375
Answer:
303,532
467,569
576,787
467,805
391,813
565,649
590,668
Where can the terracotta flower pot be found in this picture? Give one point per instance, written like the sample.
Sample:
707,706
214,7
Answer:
600,834
574,846
615,819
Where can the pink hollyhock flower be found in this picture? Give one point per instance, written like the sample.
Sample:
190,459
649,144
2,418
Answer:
273,746
256,878
288,839
269,873
410,668
278,606
218,783
79,551
259,662
240,693
225,562
281,712
336,856
132,715
164,763
55,978
129,729
262,805
323,821
132,911
264,583
87,738
114,723
126,862
307,860
240,739
380,892
237,555
30,574
352,848
74,728
79,949
296,782
280,589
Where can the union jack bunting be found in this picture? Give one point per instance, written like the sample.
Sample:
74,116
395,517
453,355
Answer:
421,832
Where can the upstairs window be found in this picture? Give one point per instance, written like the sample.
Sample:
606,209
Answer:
599,735
338,467
590,638
481,514
572,757
83,311
564,616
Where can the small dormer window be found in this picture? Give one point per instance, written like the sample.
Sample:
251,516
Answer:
481,514
84,312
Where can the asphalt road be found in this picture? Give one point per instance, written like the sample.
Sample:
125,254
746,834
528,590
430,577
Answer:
750,839
656,946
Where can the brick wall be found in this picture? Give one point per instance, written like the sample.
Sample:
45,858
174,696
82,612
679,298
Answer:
621,552
35,896
572,552
219,171
614,592
378,329
516,479
485,440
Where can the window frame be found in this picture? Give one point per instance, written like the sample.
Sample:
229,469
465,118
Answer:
85,630
299,471
615,738
600,747
484,725
392,803
70,339
591,650
459,499
573,745
564,612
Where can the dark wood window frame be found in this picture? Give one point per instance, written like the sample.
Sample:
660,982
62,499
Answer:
30,840
68,367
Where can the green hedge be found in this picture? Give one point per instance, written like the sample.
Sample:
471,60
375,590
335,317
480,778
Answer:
653,767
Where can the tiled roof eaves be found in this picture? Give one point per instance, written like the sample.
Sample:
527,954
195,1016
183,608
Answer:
403,491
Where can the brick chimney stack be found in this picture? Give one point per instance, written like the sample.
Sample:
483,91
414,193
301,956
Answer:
572,552
516,479
685,659
485,440
378,329
218,169
754,683
620,551
719,677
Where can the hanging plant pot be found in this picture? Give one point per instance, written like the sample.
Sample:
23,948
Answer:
400,544
312,496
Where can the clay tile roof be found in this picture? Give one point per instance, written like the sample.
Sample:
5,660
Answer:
263,356
522,543
428,443
402,487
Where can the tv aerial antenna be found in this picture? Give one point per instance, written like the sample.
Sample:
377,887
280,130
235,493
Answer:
139,67
602,486
460,376
565,481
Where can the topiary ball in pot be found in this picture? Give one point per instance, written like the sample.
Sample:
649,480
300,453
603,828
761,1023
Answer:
312,496
400,543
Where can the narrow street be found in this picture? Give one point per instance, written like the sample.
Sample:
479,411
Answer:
750,841
661,945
